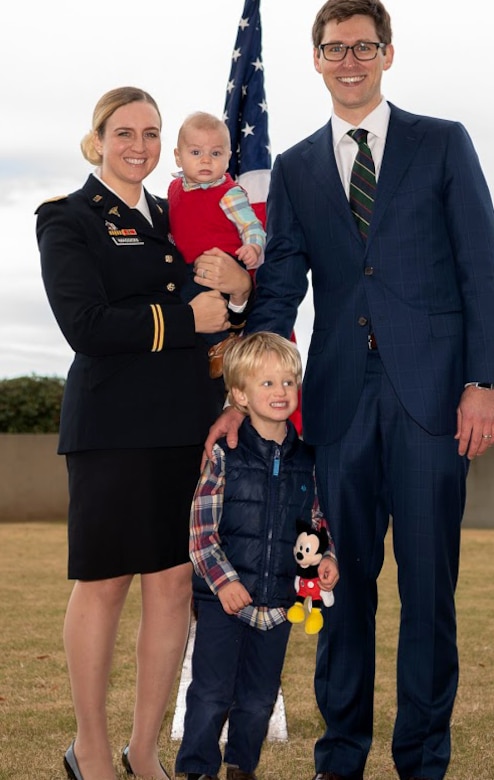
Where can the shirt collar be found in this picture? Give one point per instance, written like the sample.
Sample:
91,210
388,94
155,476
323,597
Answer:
376,123
141,205
191,186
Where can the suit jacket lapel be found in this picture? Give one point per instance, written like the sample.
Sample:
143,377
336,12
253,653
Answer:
402,141
320,159
159,214
403,136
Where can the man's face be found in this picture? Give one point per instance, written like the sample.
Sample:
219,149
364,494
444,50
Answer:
355,86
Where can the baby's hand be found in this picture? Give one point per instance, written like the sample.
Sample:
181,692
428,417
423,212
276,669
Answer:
249,254
234,596
328,573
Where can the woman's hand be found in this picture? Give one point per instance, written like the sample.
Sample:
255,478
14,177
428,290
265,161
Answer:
210,312
219,271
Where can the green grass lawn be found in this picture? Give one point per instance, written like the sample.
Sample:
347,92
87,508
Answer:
36,718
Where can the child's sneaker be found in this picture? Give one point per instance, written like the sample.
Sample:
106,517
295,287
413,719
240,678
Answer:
234,773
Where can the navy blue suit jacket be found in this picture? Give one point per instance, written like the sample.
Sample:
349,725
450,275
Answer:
424,280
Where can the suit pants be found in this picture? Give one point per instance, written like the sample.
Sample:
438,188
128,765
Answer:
387,465
236,674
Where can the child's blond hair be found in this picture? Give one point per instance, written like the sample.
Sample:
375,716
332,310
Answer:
246,355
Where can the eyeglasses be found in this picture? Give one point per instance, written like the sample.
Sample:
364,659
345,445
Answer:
363,50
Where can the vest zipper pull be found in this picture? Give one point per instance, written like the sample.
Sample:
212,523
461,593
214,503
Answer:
276,462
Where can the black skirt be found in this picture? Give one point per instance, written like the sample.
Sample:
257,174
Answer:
129,510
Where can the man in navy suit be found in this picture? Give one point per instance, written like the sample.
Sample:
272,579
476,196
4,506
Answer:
397,393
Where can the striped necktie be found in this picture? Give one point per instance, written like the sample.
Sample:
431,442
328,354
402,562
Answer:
362,182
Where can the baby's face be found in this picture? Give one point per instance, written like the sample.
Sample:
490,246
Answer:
203,155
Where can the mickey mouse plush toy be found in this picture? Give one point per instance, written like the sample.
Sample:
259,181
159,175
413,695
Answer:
308,551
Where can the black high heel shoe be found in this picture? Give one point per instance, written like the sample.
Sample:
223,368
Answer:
126,762
71,765
127,765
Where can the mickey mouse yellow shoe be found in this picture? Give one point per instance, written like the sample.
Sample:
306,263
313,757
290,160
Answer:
296,613
314,621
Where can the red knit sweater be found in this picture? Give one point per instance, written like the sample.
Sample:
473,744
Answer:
198,223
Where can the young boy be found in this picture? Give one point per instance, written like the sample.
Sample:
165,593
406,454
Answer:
243,530
207,208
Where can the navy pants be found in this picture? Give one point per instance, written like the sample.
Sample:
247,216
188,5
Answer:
386,464
236,675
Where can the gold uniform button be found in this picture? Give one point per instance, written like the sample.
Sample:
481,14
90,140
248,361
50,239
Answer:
170,287
168,258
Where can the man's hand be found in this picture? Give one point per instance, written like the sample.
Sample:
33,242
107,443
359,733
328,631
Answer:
234,597
227,425
475,418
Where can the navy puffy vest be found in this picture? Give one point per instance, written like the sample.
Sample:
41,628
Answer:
268,487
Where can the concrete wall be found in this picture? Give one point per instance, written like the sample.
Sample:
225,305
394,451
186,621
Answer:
33,478
479,511
33,482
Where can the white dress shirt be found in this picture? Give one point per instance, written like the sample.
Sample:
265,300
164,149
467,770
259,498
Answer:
345,148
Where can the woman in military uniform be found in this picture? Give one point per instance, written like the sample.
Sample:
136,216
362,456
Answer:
137,407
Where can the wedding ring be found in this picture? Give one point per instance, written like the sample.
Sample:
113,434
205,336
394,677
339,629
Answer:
487,435
203,274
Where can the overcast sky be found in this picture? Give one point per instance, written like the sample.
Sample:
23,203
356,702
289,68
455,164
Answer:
57,58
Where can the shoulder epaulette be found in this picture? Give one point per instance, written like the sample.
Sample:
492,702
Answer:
55,199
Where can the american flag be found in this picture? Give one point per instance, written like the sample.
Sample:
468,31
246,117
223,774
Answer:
246,114
246,111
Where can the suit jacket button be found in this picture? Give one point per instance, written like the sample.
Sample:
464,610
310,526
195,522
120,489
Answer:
368,270
362,321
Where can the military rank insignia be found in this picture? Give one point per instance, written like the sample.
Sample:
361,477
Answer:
123,236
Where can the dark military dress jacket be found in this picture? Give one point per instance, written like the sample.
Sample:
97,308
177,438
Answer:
140,376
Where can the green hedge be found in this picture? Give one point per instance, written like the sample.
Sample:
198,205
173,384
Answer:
30,404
